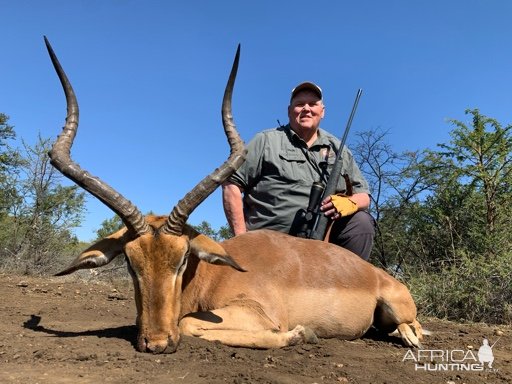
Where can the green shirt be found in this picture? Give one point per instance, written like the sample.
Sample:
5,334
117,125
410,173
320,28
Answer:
279,170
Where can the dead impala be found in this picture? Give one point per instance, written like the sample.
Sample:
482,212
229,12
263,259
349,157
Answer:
263,289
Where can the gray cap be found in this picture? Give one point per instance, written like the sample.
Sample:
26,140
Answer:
307,85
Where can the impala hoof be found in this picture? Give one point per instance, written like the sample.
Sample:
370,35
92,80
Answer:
408,335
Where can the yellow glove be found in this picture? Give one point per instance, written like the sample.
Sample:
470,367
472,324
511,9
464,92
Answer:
344,205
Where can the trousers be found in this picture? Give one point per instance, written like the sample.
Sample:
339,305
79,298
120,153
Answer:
355,233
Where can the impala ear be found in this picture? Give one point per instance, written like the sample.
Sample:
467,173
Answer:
209,250
99,254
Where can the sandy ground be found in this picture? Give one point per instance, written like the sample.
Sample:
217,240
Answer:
54,330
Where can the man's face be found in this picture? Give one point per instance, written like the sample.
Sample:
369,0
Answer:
305,112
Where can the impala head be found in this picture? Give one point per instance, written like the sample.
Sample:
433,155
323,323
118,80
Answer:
157,248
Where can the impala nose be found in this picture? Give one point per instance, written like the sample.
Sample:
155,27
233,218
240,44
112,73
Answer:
161,346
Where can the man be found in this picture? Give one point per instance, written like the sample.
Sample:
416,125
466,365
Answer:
282,164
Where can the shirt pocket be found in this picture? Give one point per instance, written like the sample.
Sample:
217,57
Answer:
292,167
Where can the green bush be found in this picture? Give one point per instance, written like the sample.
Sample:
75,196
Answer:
475,288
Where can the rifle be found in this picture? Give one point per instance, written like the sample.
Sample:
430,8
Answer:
311,223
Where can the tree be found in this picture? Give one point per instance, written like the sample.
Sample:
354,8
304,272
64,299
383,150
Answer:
444,216
397,183
205,228
37,229
466,210
436,205
108,227
225,232
480,155
8,160
6,133
453,236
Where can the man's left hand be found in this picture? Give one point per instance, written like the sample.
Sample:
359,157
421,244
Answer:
336,206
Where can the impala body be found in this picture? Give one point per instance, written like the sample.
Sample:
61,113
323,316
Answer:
262,289
267,291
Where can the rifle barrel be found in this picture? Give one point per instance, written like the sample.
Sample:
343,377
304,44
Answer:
320,225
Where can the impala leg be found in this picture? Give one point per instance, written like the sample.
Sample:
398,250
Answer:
411,334
396,310
240,327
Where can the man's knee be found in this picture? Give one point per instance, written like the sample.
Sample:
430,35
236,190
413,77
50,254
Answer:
362,223
355,233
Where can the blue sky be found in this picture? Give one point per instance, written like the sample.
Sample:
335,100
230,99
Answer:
149,77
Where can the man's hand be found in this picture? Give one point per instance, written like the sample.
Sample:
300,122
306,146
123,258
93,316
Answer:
336,206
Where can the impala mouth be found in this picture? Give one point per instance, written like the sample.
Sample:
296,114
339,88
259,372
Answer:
157,347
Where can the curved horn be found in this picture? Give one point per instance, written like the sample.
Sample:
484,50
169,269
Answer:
60,158
181,212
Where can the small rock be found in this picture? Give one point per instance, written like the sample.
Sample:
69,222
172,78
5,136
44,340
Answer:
117,296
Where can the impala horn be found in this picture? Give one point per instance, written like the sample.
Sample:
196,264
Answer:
181,212
60,158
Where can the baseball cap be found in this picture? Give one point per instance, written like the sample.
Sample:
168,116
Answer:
307,85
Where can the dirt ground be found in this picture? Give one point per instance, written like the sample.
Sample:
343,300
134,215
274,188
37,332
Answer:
55,330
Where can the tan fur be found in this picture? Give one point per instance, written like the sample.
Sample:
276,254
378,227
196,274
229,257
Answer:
290,287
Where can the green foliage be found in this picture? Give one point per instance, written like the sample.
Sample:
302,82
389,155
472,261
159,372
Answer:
6,133
465,230
222,233
8,160
473,289
444,218
108,227
480,156
36,229
397,182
